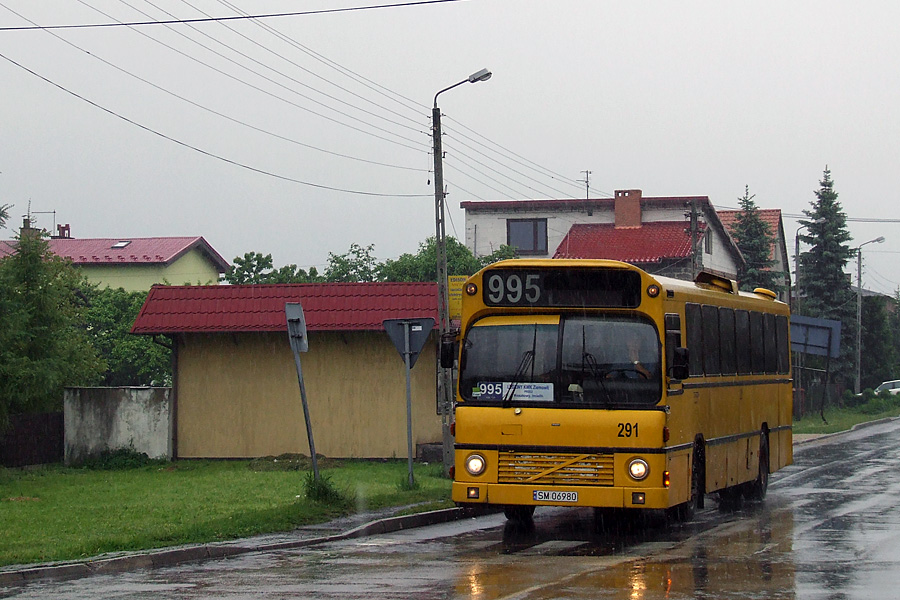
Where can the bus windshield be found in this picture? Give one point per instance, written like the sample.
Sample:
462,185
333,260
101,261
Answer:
562,360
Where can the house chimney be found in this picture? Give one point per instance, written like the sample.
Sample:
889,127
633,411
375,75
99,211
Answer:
28,230
63,232
628,208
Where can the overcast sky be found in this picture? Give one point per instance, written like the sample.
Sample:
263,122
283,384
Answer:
687,98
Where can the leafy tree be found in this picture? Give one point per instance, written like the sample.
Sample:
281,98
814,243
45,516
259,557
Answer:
4,214
827,290
43,344
253,267
754,238
130,359
876,342
422,266
357,265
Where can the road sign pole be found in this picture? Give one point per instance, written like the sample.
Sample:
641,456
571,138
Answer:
409,445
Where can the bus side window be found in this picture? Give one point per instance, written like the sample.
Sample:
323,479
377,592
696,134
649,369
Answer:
711,339
771,344
742,335
677,359
694,329
784,356
726,336
757,341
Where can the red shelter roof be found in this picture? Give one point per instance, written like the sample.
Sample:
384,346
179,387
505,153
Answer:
651,242
243,308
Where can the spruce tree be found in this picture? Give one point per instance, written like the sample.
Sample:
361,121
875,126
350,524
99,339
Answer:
754,238
827,290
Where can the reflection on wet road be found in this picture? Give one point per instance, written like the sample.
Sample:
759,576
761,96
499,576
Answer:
829,529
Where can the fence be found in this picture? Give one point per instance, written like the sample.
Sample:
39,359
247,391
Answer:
32,440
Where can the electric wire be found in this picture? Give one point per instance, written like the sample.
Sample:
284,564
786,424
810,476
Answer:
273,95
528,163
312,73
460,158
476,151
417,128
205,152
451,165
360,79
228,117
230,18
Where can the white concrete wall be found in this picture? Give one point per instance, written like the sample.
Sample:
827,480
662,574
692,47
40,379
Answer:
98,419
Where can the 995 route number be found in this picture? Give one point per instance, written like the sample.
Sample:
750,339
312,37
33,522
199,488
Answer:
550,496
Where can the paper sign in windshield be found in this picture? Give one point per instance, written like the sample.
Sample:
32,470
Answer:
514,392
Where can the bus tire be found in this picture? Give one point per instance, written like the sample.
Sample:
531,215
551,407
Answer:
756,490
518,513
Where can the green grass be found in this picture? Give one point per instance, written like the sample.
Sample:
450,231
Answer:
855,411
58,513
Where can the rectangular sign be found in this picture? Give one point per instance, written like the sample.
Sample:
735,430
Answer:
513,392
554,496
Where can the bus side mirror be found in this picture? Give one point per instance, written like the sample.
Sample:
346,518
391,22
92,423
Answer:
448,352
680,362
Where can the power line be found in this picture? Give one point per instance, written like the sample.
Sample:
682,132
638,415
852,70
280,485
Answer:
285,100
417,128
220,19
205,152
291,42
223,115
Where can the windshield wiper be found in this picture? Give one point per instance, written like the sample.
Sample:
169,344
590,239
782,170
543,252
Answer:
526,361
596,372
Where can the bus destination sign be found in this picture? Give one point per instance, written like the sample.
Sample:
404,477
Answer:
589,288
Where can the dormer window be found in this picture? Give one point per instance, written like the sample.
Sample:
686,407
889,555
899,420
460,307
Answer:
121,244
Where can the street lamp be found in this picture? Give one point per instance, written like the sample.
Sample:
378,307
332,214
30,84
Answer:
440,243
877,240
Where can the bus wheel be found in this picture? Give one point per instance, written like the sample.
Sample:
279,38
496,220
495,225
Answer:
756,490
519,514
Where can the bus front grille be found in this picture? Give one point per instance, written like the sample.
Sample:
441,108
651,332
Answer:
556,469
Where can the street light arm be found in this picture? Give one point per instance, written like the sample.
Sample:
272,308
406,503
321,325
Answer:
482,75
448,88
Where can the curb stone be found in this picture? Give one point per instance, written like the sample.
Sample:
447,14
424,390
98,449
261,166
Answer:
176,556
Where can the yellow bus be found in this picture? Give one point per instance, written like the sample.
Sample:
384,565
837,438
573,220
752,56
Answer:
592,383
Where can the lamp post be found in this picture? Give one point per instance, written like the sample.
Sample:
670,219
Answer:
440,243
877,240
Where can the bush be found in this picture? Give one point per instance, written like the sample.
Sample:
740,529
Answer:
324,491
120,460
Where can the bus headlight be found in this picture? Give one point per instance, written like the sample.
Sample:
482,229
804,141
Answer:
475,464
638,469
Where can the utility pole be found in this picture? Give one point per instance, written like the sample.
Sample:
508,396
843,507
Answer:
695,238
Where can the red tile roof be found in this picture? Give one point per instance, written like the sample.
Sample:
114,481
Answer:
243,308
651,242
770,216
153,250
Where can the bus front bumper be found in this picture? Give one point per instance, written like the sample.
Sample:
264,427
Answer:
538,495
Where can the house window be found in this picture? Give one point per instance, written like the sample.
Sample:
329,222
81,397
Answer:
529,236
708,241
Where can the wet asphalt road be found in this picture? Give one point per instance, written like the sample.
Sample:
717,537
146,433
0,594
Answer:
830,528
